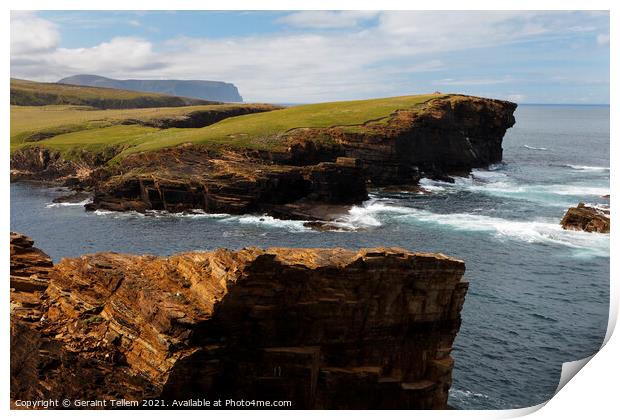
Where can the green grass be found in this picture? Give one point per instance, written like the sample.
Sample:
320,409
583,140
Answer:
25,92
262,131
32,123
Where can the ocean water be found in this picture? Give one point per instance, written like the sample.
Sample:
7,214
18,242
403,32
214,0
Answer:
538,297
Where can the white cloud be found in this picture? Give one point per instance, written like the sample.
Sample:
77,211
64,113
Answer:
30,34
301,65
472,82
324,19
119,56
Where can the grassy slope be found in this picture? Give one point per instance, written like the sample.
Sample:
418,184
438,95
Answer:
25,92
28,121
259,131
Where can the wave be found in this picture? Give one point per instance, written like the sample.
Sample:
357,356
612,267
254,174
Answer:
272,222
531,231
68,204
432,185
367,215
534,148
497,183
584,168
264,221
194,214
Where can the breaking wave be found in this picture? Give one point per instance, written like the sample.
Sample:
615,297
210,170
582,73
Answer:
270,222
367,215
530,231
585,168
67,204
534,148
500,184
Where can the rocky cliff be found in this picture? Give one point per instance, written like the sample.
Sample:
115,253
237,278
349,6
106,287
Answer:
322,328
202,89
446,136
190,178
291,173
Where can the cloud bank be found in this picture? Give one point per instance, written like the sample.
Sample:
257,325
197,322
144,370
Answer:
317,55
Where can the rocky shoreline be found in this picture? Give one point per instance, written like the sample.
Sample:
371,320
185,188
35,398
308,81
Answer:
331,166
322,328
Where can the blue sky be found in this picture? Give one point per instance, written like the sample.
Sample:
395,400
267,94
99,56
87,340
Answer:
309,56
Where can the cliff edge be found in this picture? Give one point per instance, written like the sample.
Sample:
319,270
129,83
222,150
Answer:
322,328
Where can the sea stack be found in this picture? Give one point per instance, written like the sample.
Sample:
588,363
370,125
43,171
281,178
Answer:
587,218
321,328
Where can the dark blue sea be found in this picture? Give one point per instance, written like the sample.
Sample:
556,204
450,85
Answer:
538,297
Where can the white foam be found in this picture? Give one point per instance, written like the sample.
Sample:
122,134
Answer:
367,215
118,214
194,214
498,183
531,231
67,204
432,185
534,148
588,168
268,221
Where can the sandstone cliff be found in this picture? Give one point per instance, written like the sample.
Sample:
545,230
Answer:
323,328
289,173
448,135
587,218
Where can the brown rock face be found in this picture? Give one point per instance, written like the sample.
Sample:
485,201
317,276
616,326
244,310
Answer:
451,135
29,266
323,328
589,219
192,178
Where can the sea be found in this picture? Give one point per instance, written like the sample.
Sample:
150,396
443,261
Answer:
538,296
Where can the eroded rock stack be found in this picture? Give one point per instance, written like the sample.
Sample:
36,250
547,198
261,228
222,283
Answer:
323,328
587,218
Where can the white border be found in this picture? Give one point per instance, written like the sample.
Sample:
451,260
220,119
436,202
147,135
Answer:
592,394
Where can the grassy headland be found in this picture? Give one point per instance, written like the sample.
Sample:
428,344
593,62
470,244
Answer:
261,131
25,92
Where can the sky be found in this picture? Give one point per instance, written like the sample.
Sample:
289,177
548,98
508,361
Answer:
312,56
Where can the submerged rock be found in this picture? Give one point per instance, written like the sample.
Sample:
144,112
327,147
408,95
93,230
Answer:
322,328
587,218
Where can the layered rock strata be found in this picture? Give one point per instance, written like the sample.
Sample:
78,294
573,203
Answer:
444,136
322,328
191,178
587,218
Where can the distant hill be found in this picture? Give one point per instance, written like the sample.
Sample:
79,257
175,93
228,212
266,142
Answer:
202,89
25,92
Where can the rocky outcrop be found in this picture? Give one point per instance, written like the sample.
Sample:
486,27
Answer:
446,136
322,328
42,164
586,218
192,178
30,270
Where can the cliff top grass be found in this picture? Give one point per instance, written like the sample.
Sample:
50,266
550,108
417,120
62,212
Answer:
262,131
26,92
29,123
